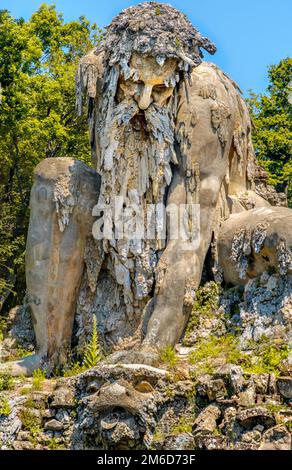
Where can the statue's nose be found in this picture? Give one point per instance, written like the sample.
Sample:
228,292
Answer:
145,98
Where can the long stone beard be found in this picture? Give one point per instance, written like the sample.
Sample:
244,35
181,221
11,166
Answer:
136,151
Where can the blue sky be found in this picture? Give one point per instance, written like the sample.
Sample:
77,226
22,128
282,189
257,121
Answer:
249,34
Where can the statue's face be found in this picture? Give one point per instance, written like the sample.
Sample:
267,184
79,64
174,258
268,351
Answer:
150,85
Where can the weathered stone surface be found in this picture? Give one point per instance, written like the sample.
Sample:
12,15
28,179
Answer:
54,425
206,420
184,441
137,83
253,416
251,242
277,438
63,397
23,445
262,310
153,110
213,388
284,385
62,198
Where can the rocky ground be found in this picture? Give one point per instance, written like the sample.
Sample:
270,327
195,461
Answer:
126,406
228,385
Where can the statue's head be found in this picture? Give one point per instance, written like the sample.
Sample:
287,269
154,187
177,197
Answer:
154,45
132,81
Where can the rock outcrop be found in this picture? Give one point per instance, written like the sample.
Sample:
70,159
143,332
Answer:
143,407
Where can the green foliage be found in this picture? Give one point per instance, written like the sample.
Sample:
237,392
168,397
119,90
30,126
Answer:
93,351
74,369
37,120
288,425
168,356
207,301
271,116
267,358
38,379
2,323
25,390
30,422
274,407
212,351
54,444
224,348
6,381
184,424
5,409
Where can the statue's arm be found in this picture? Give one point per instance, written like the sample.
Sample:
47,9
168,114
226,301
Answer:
205,126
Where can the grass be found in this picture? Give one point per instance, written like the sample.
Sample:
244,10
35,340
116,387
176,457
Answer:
6,381
31,423
266,358
168,356
22,352
184,424
207,301
2,327
75,368
54,444
207,351
38,379
5,409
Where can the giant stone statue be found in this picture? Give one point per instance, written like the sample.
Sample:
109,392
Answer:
171,141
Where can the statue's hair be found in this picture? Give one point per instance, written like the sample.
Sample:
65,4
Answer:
157,30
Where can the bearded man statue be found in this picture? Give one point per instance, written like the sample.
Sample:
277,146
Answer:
171,141
167,134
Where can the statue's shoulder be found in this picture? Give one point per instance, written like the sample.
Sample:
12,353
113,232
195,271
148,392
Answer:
211,72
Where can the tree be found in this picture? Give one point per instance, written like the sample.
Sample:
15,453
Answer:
38,59
271,116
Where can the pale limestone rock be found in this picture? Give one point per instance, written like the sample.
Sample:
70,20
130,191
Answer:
254,241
